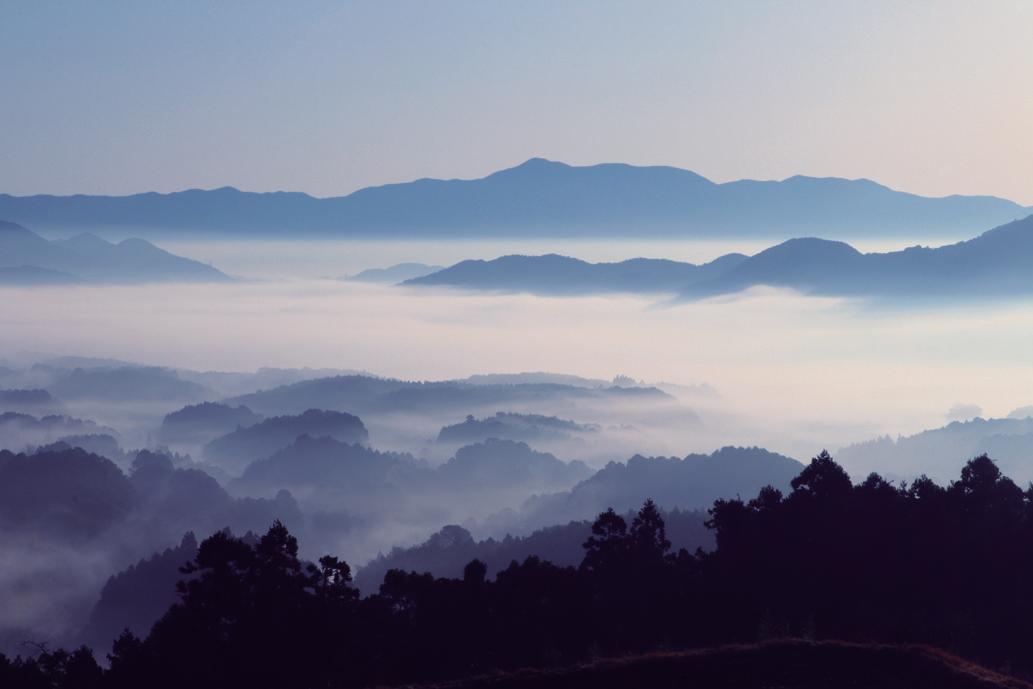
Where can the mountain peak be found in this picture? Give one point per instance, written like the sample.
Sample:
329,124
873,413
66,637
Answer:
533,166
541,162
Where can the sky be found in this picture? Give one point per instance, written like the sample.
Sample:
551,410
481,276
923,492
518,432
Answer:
123,97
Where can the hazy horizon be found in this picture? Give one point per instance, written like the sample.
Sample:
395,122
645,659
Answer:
801,372
329,98
517,163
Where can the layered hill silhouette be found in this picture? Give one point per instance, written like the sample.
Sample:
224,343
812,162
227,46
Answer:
554,274
997,263
396,273
19,430
120,384
331,472
447,552
513,426
238,448
28,259
939,452
692,482
364,394
537,198
201,423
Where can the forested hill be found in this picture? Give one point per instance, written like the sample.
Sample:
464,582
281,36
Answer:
867,563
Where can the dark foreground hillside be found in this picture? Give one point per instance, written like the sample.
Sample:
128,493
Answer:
910,566
786,664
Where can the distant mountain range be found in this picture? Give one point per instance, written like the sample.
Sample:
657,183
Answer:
996,263
364,394
941,452
535,199
396,273
28,259
554,274
693,482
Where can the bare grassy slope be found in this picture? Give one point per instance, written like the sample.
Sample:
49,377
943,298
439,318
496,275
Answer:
786,664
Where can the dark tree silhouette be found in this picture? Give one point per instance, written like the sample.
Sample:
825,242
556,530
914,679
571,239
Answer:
919,563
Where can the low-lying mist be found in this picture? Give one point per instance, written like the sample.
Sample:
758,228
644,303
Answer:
792,373
358,465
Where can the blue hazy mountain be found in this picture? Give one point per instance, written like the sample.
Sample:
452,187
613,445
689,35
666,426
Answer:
201,423
237,449
537,198
121,384
28,259
513,426
31,276
941,452
996,263
392,274
693,482
554,274
370,395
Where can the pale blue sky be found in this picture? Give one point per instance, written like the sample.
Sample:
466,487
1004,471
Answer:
119,97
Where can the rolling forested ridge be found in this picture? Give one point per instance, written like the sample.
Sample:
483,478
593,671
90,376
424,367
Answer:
871,563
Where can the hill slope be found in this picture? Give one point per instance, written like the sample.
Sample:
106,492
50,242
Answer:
998,262
788,664
28,259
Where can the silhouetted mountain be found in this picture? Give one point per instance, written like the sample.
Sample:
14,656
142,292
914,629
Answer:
388,486
512,426
690,483
18,431
237,449
537,198
175,500
506,465
940,452
365,394
200,423
66,494
553,274
998,262
136,597
243,382
124,384
447,552
26,258
32,401
101,444
393,274
332,466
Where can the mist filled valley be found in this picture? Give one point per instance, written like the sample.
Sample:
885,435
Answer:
407,427
569,345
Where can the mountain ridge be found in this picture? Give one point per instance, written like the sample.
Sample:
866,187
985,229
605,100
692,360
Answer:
537,198
27,259
998,262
